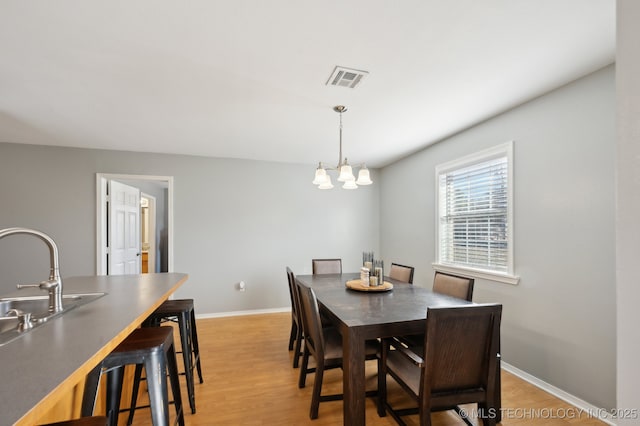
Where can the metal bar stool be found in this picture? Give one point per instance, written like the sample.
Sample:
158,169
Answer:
182,312
152,348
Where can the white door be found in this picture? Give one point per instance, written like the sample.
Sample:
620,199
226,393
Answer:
124,229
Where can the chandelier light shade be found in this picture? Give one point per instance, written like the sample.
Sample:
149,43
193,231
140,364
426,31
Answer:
321,175
345,172
363,177
326,184
344,169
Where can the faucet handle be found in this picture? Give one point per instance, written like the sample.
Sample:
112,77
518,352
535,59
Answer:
19,286
43,285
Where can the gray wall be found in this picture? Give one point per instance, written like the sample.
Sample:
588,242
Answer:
628,206
234,220
559,322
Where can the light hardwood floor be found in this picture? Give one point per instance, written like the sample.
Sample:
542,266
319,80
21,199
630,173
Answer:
249,380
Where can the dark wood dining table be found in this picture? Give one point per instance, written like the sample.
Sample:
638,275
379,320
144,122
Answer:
360,316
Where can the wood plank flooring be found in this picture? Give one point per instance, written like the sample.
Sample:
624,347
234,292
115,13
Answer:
249,380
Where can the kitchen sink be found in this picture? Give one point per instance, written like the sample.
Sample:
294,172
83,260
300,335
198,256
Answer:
38,307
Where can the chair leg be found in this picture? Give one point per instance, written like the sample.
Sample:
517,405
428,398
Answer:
155,367
304,368
91,391
115,378
134,393
293,333
185,342
172,365
296,354
194,342
317,390
425,417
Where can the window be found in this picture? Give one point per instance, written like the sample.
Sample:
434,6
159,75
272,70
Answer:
475,224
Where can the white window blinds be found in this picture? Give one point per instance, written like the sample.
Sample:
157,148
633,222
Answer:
474,214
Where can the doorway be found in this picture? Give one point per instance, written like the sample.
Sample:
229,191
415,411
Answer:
148,230
161,243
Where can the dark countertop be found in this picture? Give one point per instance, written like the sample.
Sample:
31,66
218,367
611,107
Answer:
43,365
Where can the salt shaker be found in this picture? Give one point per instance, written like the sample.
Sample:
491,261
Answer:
364,276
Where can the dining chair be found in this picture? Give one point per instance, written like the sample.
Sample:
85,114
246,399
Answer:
325,345
459,364
326,266
401,273
296,334
453,285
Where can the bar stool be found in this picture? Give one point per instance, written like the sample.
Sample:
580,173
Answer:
182,312
152,348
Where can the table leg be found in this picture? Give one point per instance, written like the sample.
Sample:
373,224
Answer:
498,397
353,360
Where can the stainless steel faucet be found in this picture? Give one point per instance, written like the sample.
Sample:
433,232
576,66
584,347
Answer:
54,284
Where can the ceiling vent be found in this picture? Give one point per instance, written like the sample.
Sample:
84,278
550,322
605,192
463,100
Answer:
346,77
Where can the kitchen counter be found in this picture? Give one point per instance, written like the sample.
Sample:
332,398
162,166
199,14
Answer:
37,369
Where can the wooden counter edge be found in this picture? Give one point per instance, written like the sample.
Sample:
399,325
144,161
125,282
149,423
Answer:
48,402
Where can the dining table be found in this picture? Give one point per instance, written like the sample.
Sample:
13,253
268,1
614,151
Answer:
365,314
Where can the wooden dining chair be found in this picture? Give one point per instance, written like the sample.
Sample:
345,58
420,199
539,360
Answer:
325,345
296,334
401,273
453,285
459,364
326,266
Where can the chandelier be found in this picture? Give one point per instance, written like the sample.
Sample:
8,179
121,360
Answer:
323,179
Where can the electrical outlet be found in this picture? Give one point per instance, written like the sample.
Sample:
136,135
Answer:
241,286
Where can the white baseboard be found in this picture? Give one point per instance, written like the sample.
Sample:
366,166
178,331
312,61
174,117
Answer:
600,413
240,313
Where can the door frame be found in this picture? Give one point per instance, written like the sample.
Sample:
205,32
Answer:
101,215
151,230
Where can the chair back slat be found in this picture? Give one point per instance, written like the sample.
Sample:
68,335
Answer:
453,285
326,266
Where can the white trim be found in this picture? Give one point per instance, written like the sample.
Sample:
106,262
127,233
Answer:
476,157
477,273
170,224
101,228
101,215
241,313
468,160
152,236
599,413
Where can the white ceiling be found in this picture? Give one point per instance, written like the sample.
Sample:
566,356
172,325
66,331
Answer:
246,78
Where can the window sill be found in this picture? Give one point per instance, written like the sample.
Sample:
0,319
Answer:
477,273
